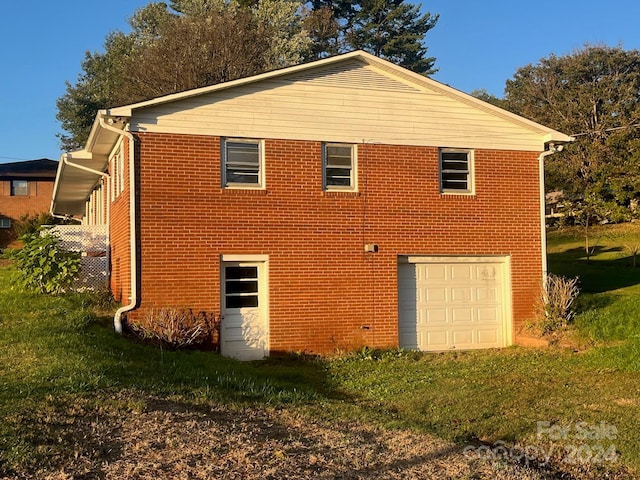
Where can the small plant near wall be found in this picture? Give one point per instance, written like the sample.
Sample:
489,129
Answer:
556,303
42,265
177,328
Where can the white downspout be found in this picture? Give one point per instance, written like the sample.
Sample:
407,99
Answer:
133,301
543,223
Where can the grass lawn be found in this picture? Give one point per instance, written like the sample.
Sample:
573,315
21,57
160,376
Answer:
60,360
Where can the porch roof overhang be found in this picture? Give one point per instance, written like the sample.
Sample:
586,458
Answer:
80,172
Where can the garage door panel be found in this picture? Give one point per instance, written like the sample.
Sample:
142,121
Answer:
433,316
462,315
461,272
491,315
461,295
462,338
488,337
488,294
438,339
432,272
433,294
487,273
457,304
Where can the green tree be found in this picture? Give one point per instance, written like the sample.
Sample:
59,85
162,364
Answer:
485,96
391,29
394,30
98,86
191,44
594,95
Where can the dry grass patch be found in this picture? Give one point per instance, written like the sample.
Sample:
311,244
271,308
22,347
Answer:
162,438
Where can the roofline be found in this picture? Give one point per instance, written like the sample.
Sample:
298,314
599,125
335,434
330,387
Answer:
127,110
550,134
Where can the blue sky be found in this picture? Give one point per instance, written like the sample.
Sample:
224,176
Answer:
477,45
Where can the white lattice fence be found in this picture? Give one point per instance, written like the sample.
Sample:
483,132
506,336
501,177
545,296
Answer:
91,242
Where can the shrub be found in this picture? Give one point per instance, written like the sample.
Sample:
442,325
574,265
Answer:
177,328
43,265
31,223
556,303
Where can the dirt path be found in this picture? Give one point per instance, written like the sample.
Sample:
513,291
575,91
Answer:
168,440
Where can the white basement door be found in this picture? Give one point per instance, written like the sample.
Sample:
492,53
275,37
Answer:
453,303
244,331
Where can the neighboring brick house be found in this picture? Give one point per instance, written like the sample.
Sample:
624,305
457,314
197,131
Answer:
25,189
331,205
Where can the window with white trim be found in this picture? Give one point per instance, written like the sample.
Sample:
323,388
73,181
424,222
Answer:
117,173
243,163
19,188
5,223
339,166
456,171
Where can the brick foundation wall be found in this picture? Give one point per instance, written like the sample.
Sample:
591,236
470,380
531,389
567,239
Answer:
322,287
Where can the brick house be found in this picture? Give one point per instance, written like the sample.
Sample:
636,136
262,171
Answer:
331,205
25,189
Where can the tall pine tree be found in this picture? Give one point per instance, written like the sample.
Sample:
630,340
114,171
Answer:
391,29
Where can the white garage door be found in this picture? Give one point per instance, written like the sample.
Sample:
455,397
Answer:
453,303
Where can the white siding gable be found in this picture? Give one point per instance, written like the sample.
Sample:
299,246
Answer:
349,101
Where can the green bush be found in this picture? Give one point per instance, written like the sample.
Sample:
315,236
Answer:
31,223
43,265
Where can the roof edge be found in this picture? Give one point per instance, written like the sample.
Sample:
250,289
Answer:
127,110
364,57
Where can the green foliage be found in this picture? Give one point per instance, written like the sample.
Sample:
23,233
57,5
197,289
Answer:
43,266
190,44
391,29
594,95
31,223
194,43
395,30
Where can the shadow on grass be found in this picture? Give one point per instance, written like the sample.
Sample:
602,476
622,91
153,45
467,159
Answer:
607,270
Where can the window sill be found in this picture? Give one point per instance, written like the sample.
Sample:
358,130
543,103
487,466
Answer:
244,191
340,193
458,196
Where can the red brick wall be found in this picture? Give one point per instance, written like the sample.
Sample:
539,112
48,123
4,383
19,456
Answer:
13,207
119,233
322,287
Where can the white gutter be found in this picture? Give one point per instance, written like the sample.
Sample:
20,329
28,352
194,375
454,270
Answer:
65,160
133,300
543,223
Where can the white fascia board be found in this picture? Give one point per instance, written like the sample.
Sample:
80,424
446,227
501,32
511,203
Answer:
420,80
386,67
127,110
